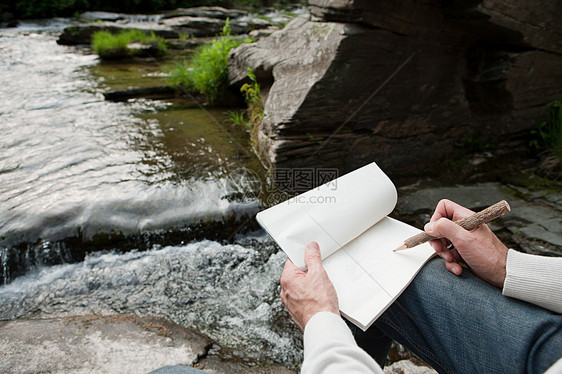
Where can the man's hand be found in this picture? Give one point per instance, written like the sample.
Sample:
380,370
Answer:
480,249
305,294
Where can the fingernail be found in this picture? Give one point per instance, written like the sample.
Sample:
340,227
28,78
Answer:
428,227
313,245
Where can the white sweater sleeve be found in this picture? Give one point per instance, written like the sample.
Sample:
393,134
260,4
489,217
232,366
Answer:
329,347
535,279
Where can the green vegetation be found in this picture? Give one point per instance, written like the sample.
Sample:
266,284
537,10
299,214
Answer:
68,8
548,135
252,96
239,119
206,72
114,46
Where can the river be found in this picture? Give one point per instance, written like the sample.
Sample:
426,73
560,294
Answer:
138,207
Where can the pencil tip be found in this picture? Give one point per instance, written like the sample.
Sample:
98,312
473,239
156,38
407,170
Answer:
403,246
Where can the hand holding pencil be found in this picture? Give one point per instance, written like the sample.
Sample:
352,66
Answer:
478,247
468,223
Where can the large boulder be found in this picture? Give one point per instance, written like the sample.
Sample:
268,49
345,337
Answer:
401,83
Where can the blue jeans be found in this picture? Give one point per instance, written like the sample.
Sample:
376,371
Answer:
464,325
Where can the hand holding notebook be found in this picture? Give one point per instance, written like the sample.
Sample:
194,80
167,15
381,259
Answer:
348,219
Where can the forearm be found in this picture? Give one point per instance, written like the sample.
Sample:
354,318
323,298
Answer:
535,279
329,347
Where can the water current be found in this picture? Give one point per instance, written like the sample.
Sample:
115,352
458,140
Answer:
81,176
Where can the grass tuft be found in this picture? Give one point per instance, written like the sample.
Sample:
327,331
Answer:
207,72
113,46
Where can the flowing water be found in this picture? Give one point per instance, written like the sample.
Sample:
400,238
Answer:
138,207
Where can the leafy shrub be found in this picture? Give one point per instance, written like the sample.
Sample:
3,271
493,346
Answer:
252,96
111,46
206,72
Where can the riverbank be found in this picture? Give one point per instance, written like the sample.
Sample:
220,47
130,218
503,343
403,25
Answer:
147,167
110,344
140,344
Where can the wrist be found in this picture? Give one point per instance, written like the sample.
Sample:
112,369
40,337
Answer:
500,267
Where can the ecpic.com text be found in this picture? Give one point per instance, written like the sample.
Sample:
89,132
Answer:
312,200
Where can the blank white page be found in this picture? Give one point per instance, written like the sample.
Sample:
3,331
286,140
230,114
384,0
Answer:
385,273
332,214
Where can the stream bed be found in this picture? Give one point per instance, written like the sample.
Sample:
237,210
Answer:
142,207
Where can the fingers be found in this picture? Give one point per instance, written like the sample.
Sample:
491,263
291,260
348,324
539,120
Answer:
453,267
312,256
454,234
445,228
305,294
312,259
449,209
441,248
290,271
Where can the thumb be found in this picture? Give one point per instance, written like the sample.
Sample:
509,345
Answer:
312,256
445,228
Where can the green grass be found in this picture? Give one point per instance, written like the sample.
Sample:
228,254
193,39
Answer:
111,46
207,72
548,135
239,119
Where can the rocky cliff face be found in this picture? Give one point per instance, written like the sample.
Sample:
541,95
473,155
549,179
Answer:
401,83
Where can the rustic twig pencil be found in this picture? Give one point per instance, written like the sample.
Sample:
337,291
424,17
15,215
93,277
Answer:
469,223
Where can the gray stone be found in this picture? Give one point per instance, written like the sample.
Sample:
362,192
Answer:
207,11
535,225
94,344
206,26
537,231
111,344
196,26
484,67
407,367
474,197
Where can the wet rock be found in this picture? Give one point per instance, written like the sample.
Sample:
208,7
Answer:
158,92
208,12
195,26
205,26
373,81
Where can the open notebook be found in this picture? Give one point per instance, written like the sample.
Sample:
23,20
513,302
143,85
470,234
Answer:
348,219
